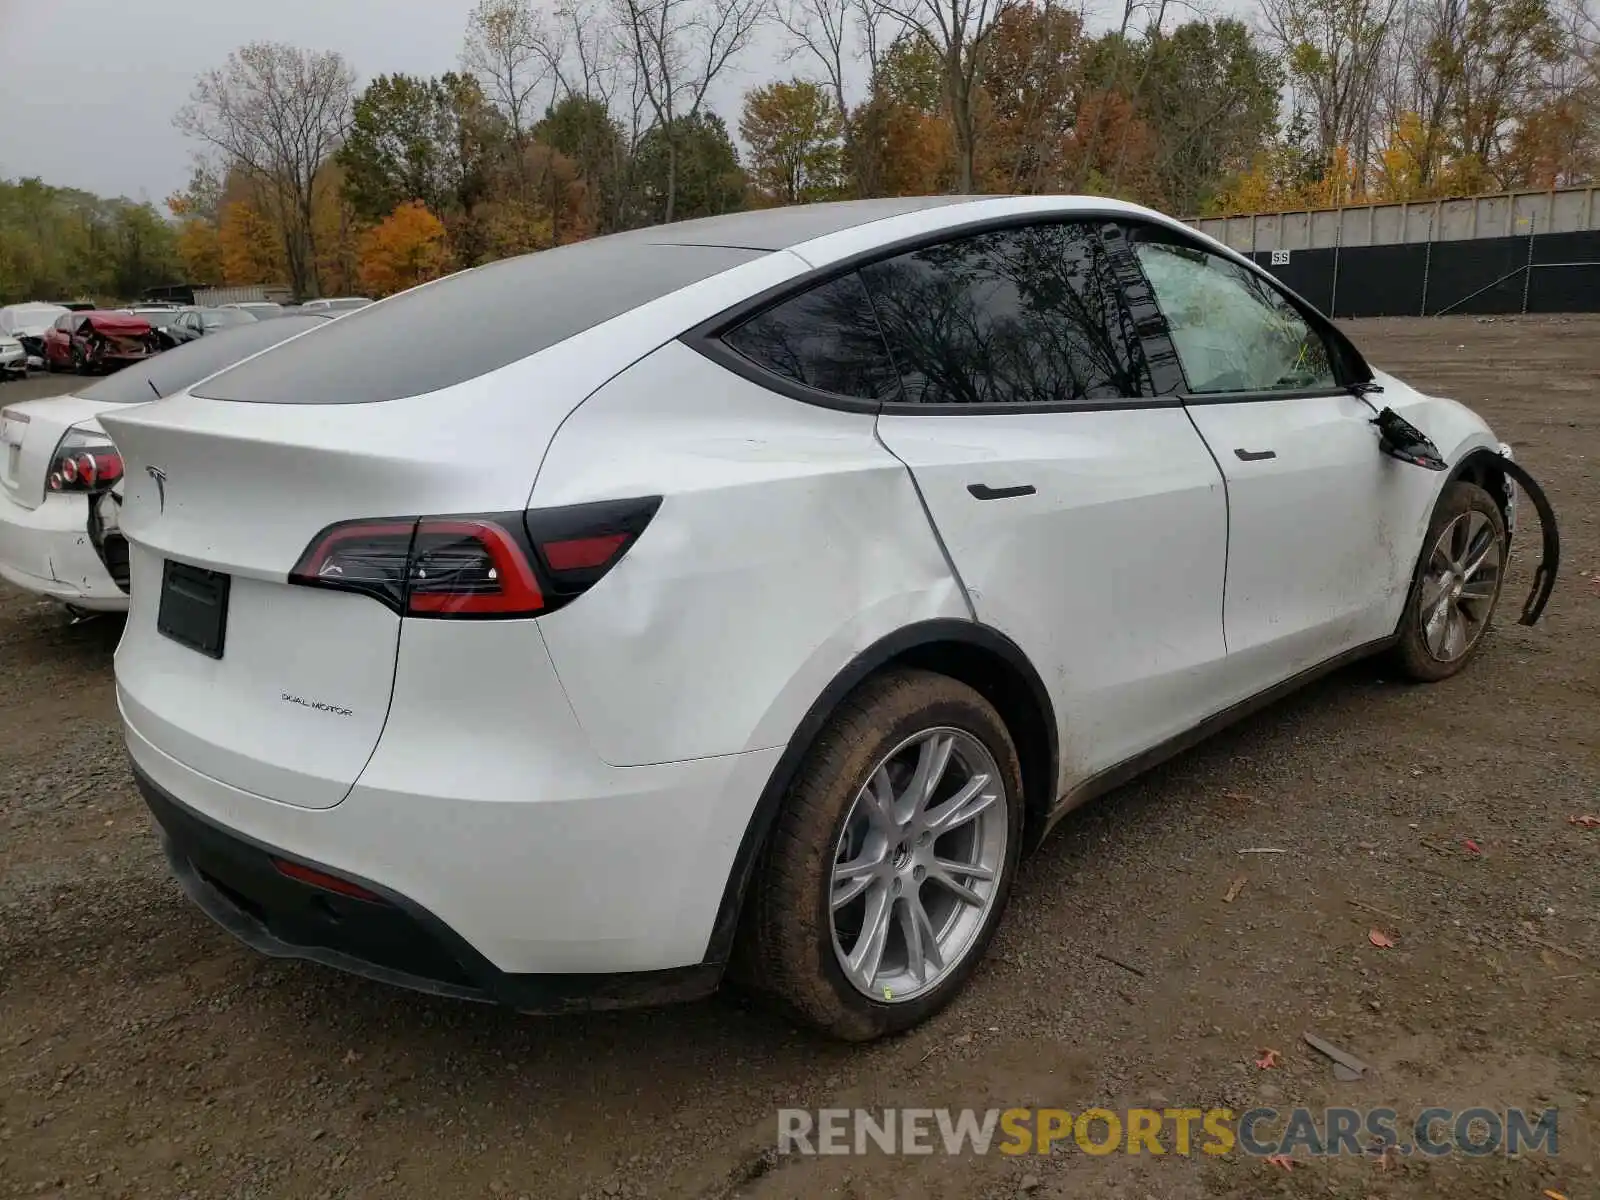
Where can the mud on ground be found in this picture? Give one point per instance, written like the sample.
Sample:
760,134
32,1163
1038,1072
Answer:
143,1053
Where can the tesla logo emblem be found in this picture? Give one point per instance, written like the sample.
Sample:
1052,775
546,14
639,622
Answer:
160,477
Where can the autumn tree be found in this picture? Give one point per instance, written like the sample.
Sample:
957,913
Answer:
1032,87
502,49
276,112
691,168
956,33
406,248
248,246
585,133
898,143
795,132
1210,102
676,49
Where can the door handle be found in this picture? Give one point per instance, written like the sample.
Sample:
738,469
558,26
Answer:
1254,455
983,491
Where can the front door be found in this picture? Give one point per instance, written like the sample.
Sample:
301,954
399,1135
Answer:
1083,515
1312,555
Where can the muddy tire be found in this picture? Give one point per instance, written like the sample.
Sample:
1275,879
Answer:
862,820
1456,586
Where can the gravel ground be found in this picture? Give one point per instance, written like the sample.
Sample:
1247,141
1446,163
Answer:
143,1053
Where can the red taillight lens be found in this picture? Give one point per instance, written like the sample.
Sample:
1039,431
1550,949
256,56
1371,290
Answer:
84,462
470,568
500,565
321,879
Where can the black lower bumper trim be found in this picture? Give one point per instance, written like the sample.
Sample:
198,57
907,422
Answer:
391,940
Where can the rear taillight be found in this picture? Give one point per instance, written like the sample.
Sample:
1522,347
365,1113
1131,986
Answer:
84,462
501,565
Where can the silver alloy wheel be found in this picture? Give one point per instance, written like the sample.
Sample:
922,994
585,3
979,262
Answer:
1459,586
917,866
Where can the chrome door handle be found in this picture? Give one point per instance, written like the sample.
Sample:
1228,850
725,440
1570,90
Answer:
982,491
1254,455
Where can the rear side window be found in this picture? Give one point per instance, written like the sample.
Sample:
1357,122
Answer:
1024,316
826,339
469,324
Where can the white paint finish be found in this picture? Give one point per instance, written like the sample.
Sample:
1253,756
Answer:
1109,577
572,867
46,550
249,485
1324,537
228,718
787,541
35,428
44,537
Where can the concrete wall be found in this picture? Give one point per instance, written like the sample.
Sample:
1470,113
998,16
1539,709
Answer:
1512,214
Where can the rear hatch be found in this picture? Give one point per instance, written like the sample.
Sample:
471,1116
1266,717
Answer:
275,688
282,688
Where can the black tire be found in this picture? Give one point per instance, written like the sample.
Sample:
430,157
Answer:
1416,660
80,365
788,947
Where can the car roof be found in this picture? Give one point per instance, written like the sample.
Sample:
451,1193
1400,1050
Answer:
780,228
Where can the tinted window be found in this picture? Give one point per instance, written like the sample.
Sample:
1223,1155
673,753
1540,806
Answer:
193,361
217,318
1017,316
471,323
826,338
1234,332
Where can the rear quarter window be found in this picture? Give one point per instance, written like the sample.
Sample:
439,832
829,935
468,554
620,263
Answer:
469,324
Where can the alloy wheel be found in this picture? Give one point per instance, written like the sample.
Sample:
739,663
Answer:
916,870
1459,586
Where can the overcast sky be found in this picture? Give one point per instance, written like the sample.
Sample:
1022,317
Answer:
88,88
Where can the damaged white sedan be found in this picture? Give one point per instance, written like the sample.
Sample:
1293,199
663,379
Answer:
754,591
61,476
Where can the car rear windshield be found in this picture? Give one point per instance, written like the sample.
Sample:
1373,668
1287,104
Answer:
190,363
471,323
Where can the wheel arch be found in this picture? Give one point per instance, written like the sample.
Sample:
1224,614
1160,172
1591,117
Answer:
1484,467
975,654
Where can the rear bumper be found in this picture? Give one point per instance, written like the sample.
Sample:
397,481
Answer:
46,550
540,894
391,939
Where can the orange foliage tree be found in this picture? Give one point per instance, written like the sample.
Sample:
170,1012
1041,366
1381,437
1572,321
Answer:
249,247
406,248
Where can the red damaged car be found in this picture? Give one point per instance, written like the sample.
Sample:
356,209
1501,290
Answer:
97,340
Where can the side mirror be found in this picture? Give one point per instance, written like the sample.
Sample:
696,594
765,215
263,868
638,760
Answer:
1399,438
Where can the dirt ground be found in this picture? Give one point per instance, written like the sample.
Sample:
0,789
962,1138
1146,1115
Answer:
143,1053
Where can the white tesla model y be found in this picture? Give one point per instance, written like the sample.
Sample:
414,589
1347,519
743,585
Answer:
755,590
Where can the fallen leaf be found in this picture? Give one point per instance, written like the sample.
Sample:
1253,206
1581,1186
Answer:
1552,1195
1587,821
1268,1059
1472,846
1281,1160
1234,889
1380,939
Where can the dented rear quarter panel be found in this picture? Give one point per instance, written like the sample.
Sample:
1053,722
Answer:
788,541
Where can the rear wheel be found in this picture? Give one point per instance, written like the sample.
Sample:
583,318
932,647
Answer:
891,859
1457,585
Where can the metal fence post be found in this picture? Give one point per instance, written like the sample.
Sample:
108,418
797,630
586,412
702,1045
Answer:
1527,271
1427,264
1333,294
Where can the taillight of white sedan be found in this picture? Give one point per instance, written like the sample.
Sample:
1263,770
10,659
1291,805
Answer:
755,591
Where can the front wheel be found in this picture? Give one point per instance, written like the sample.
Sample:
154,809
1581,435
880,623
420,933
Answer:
1457,584
891,860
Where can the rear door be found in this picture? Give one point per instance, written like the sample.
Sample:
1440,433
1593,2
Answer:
1084,515
1312,552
